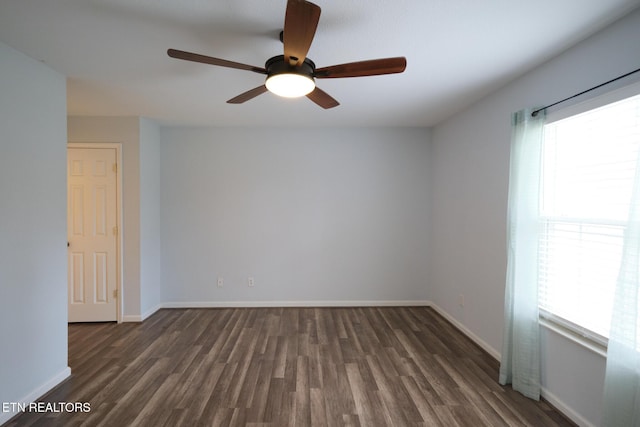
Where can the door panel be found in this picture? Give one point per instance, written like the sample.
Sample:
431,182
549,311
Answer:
92,234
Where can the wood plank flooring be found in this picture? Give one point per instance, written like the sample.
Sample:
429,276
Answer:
391,366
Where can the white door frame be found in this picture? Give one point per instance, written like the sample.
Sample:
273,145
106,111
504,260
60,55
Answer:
119,261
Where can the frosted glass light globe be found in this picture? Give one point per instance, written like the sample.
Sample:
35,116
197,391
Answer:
290,85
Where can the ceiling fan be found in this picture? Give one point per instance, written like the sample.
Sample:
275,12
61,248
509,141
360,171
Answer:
293,74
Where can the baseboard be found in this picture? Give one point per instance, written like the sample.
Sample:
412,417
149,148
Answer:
248,304
140,317
37,393
323,303
151,311
483,344
567,411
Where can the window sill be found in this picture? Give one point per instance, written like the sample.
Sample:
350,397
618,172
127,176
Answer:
595,344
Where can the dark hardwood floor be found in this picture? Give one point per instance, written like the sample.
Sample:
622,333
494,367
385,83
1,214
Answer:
395,366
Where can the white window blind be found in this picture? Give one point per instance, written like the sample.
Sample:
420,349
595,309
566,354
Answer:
588,167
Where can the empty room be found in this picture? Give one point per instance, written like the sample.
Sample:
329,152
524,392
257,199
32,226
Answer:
283,212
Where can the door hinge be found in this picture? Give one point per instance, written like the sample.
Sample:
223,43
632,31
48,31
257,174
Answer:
115,293
115,230
115,167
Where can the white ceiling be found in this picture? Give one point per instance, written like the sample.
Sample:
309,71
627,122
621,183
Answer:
114,54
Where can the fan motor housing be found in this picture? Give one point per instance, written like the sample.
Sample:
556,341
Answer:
278,65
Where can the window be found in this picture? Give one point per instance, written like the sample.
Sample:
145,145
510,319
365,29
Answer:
588,167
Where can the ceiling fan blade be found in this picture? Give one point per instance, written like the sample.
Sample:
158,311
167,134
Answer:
373,67
250,94
322,98
300,23
195,57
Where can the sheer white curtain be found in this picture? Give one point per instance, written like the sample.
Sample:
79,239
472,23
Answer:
520,365
622,380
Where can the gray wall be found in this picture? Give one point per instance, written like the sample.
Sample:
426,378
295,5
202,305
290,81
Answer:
33,224
470,160
333,215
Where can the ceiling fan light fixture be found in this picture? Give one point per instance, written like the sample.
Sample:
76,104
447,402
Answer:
287,80
290,85
293,74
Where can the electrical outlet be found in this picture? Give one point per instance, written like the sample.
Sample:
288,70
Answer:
251,282
220,282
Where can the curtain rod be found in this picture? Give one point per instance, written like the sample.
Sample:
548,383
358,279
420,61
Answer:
535,113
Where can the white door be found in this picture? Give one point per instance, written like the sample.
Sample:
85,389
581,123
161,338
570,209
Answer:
92,234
